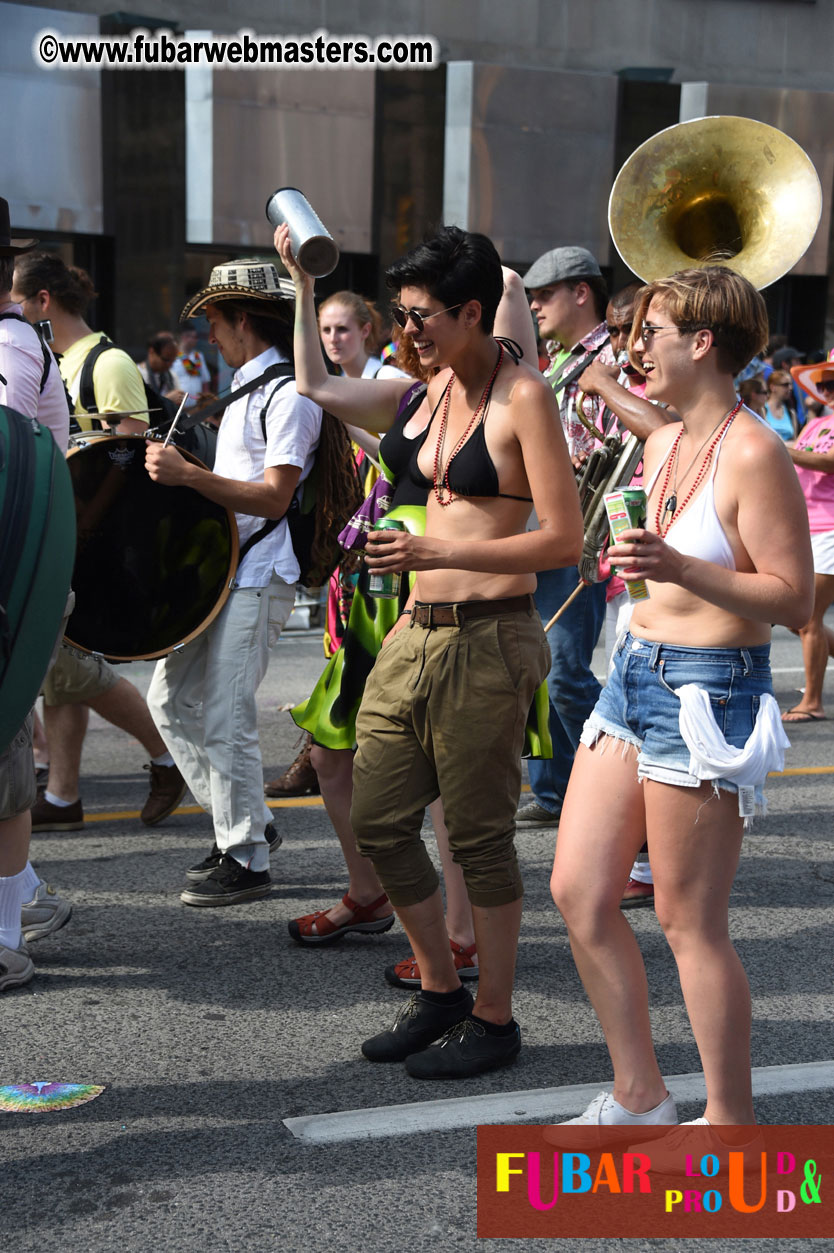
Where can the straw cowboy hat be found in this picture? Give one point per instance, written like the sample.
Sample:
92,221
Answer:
249,280
11,247
808,376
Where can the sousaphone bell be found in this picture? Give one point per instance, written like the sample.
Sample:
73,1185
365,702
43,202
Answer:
716,191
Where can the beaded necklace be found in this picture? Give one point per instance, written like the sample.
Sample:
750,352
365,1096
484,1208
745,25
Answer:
440,483
671,507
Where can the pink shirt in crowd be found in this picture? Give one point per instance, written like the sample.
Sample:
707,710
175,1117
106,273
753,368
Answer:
818,488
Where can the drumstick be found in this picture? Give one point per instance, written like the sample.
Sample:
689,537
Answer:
176,419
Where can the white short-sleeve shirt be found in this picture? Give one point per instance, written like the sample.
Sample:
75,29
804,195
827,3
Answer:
293,427
21,371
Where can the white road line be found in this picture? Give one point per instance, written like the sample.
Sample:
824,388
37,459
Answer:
539,1105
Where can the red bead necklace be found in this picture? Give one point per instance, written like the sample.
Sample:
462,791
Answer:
440,483
672,507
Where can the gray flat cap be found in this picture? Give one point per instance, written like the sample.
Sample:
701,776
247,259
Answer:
786,354
561,263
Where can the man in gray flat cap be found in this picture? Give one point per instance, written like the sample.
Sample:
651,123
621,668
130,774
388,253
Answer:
568,297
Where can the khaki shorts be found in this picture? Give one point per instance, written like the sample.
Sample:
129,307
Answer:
77,678
443,714
17,774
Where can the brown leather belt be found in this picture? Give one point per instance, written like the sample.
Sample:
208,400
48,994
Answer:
430,615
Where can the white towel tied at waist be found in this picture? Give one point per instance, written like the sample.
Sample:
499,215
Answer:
711,757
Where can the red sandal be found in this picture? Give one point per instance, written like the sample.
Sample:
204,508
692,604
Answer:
318,929
406,973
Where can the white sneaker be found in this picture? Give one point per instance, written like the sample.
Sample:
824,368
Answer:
16,967
45,913
615,1124
668,1156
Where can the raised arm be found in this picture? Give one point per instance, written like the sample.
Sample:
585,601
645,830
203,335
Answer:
369,403
513,318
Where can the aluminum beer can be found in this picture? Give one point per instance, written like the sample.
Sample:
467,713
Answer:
626,509
386,585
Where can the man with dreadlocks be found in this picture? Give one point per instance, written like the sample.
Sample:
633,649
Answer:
202,698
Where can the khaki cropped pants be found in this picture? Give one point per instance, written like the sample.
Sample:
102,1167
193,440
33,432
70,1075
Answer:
443,714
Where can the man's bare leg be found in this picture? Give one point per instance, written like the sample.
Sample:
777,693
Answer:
65,727
123,706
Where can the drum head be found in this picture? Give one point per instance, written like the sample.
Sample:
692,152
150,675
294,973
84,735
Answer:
153,563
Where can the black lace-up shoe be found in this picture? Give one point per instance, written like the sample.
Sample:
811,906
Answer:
203,868
228,884
466,1049
416,1025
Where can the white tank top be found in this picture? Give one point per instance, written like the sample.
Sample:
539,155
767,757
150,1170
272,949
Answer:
698,531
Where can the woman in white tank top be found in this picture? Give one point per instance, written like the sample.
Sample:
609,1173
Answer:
720,569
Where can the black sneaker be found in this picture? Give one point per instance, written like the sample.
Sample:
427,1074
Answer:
228,884
466,1049
203,868
416,1025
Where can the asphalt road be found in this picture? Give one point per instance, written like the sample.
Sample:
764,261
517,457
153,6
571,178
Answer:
208,1027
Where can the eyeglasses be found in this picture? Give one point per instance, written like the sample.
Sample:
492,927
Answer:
648,332
826,385
402,316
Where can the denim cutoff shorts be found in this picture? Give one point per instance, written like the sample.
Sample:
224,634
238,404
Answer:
639,705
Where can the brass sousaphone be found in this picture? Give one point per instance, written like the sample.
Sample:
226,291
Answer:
713,191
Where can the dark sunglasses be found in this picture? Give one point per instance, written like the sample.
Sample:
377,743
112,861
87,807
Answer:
402,316
825,385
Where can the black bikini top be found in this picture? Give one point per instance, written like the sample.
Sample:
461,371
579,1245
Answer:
472,471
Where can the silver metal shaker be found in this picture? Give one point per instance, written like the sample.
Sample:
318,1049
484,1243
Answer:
312,243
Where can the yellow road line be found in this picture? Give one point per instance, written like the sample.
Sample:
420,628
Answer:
292,802
303,802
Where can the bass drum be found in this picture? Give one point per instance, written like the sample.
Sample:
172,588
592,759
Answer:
153,564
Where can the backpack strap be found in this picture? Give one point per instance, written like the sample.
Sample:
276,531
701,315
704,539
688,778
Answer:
271,523
47,356
86,389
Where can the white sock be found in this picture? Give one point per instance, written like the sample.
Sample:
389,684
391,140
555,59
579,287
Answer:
56,800
164,759
12,896
31,883
641,872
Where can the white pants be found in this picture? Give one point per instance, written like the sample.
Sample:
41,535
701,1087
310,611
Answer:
202,699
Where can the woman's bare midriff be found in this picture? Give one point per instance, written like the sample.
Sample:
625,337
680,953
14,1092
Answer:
477,518
674,616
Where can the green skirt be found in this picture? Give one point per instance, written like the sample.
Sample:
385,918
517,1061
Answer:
329,713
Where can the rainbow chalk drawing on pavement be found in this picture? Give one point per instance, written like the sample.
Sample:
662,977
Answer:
42,1098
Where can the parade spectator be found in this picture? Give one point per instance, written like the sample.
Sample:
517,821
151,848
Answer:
813,456
754,394
779,411
190,372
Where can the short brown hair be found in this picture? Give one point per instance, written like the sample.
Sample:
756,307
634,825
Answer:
717,299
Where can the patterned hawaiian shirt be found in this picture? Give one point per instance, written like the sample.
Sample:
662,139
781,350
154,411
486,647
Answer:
580,441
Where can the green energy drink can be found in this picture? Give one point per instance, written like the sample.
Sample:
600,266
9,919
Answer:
386,584
626,509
